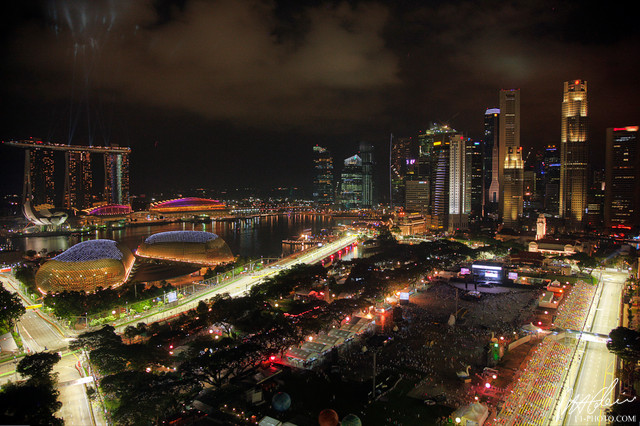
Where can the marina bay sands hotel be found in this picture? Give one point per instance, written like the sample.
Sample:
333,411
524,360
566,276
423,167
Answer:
40,174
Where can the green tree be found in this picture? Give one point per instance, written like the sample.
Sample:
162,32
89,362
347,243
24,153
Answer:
29,403
583,260
130,332
144,398
26,276
34,401
106,336
625,343
38,367
11,309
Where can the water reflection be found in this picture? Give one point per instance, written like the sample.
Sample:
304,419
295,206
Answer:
251,238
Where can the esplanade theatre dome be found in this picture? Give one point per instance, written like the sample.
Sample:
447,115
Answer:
85,267
197,247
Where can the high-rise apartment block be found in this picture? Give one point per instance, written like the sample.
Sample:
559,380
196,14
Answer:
511,166
323,178
622,181
573,153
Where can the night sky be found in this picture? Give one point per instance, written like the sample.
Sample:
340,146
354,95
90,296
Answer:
230,92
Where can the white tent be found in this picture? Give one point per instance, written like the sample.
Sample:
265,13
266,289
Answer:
471,415
269,421
530,328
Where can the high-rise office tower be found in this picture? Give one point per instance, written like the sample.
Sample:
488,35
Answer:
402,163
475,155
529,188
510,158
439,203
433,167
573,152
351,185
323,178
460,182
594,216
426,142
417,196
366,154
42,178
491,160
512,187
116,178
622,181
551,179
78,180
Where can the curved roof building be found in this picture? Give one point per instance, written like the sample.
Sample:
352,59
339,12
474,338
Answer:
109,210
198,247
44,215
189,206
85,267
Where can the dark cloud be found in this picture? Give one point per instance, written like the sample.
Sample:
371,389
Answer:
267,78
221,59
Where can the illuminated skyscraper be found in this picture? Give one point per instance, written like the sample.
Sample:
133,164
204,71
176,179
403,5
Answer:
512,187
551,179
323,178
433,167
351,183
460,182
78,180
475,158
366,154
622,181
42,179
511,166
417,196
573,152
491,160
439,203
116,178
402,167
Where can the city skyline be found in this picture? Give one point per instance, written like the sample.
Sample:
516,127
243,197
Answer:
373,80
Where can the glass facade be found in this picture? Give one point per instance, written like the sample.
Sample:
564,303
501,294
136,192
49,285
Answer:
323,178
622,174
351,183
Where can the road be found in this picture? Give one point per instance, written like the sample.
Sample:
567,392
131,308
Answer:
39,334
243,283
595,381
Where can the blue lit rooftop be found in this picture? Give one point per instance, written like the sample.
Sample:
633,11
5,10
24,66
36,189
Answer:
181,237
91,250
